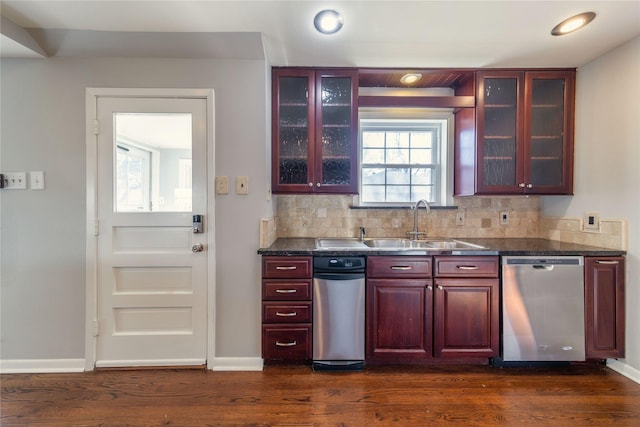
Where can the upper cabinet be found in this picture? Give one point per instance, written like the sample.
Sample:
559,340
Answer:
314,131
524,134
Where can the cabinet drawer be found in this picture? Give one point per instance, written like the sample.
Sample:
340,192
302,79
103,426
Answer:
466,266
286,267
275,312
399,266
286,342
286,290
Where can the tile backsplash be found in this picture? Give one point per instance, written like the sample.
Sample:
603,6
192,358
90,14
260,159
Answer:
332,216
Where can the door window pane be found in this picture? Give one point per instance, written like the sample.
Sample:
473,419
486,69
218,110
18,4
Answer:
152,162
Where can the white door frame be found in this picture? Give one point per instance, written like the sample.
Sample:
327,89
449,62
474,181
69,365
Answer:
91,288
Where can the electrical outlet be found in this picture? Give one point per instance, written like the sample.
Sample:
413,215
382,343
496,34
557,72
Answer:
504,218
592,221
222,185
460,218
242,185
15,180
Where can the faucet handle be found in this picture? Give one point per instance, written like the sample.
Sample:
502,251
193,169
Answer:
415,234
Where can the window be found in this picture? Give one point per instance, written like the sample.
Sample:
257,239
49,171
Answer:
403,161
153,162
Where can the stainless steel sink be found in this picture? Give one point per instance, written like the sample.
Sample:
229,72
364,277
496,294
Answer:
395,244
400,244
345,244
339,244
451,244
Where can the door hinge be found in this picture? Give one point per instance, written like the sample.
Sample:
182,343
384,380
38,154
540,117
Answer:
96,328
95,126
96,227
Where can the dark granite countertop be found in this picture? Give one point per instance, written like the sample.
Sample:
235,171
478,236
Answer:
512,246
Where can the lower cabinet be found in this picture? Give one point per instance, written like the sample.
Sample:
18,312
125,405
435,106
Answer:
604,307
286,309
399,321
466,318
414,318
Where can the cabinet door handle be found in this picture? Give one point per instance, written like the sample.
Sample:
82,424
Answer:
430,288
311,184
290,314
601,261
286,291
467,267
286,344
440,288
293,267
401,267
521,185
317,184
529,185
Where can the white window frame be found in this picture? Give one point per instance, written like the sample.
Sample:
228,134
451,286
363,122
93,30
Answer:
412,119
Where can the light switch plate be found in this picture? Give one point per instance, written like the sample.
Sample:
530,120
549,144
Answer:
242,185
592,221
15,181
37,180
222,185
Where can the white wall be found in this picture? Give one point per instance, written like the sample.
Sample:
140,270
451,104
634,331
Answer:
43,232
607,162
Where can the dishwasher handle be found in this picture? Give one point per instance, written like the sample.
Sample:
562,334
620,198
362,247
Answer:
543,267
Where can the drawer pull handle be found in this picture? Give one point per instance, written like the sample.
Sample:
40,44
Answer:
601,261
401,267
285,267
286,291
467,267
290,314
286,344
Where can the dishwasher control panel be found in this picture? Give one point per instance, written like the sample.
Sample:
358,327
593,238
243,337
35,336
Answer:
338,264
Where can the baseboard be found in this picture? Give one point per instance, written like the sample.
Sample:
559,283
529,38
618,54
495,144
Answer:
624,369
236,364
40,366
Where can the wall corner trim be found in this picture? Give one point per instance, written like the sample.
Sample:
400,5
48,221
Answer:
40,366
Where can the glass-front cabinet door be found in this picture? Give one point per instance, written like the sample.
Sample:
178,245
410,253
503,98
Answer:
293,116
314,131
499,133
549,132
525,132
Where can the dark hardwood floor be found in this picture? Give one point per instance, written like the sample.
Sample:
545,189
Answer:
583,395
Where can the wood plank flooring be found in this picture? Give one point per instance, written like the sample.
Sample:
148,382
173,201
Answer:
583,395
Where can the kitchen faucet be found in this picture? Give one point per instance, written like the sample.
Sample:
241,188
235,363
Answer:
415,233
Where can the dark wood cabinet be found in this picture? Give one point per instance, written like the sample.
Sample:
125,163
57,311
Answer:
315,125
399,309
286,308
604,305
414,318
466,307
466,318
524,134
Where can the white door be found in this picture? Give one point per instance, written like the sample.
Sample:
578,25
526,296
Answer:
151,266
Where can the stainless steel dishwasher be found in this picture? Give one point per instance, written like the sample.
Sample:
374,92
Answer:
338,313
543,308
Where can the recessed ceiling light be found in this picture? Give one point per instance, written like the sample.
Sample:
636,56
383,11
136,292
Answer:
410,78
572,24
328,21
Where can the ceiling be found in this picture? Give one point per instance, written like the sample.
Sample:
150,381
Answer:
396,34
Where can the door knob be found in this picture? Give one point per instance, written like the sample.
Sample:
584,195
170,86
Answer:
198,247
